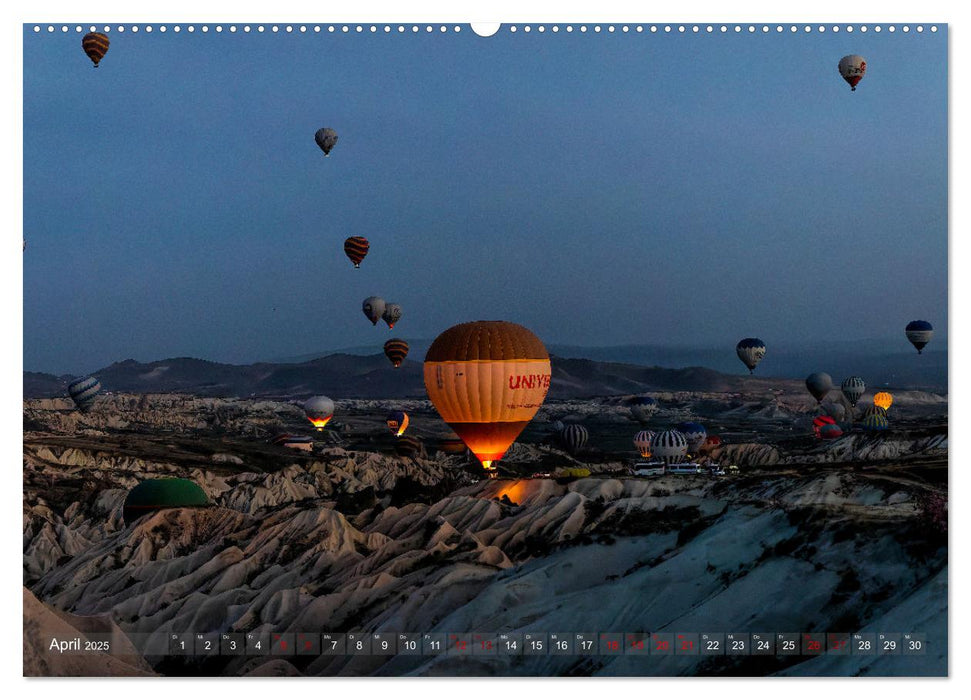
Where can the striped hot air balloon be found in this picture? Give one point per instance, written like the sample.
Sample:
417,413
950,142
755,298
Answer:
876,421
356,248
487,379
319,410
398,422
95,45
669,446
750,351
574,438
396,350
392,314
694,433
84,392
873,410
883,399
326,138
919,333
642,441
853,388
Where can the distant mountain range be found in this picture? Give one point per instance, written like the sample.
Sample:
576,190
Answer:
371,376
366,376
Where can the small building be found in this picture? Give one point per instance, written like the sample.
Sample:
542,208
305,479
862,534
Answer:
294,442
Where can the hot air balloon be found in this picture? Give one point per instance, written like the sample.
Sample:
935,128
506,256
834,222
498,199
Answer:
694,434
852,68
711,442
84,392
487,379
356,248
819,384
750,351
392,314
919,333
326,139
873,411
876,421
643,407
825,428
153,495
558,426
642,441
95,45
574,438
669,446
319,410
883,399
407,446
396,350
373,308
853,388
398,422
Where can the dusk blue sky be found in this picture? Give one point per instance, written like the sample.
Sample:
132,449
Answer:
599,189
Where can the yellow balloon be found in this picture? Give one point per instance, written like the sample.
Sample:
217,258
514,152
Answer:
883,400
487,379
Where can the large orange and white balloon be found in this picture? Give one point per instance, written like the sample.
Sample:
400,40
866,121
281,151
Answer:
487,379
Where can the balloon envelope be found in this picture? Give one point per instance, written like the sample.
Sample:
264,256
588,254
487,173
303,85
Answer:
356,248
84,392
392,314
326,138
669,446
694,434
319,410
487,379
373,308
819,384
919,333
642,441
396,350
853,388
883,399
750,351
852,68
95,45
643,407
398,422
574,438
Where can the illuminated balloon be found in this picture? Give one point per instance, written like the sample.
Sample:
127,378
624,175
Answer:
919,333
819,384
883,399
643,407
670,447
95,45
398,422
84,392
694,434
373,308
326,139
396,350
574,438
319,410
852,68
487,379
750,351
392,314
642,441
356,248
853,388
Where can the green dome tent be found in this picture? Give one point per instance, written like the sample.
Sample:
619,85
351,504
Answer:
155,494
